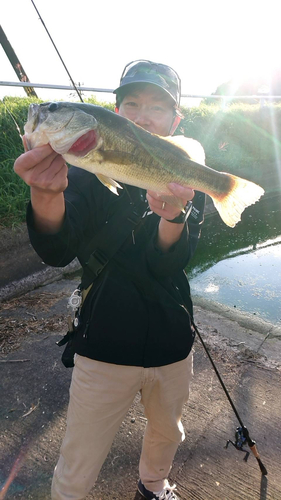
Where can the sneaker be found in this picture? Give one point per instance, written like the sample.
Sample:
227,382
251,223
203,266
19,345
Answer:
166,494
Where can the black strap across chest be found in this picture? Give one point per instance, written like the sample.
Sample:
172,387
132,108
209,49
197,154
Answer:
106,242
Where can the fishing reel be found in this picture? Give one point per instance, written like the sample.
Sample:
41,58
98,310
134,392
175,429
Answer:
240,441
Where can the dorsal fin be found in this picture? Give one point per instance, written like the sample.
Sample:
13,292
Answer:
192,147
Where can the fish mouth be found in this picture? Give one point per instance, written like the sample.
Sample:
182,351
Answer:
84,144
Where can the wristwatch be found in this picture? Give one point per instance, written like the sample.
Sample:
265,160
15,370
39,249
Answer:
182,218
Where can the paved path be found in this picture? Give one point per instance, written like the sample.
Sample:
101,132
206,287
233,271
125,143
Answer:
34,396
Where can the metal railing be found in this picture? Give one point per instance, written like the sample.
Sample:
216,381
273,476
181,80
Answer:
262,98
51,86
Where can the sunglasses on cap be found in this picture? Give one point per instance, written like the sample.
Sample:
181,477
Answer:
158,74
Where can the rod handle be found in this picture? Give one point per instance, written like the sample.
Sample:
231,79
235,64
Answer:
256,454
253,448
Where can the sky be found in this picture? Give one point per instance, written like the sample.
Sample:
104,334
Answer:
206,42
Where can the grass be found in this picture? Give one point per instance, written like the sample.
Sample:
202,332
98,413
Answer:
242,139
14,194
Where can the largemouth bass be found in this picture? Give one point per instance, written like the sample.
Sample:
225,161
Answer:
116,149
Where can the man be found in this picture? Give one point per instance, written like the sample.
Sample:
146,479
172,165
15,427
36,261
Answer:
134,330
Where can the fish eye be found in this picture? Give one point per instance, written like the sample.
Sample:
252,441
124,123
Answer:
53,106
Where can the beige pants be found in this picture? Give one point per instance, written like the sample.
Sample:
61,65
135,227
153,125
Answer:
100,396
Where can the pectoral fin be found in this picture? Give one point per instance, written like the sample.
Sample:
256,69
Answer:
109,183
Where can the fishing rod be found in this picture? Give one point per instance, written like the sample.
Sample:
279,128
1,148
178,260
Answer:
72,81
78,92
242,434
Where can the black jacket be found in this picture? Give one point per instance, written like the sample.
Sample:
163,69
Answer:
136,312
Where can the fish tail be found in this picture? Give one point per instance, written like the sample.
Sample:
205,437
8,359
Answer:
242,194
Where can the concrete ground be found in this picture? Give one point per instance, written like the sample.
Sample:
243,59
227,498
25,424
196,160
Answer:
34,397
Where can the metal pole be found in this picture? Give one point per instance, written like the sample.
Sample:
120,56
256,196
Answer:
10,53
